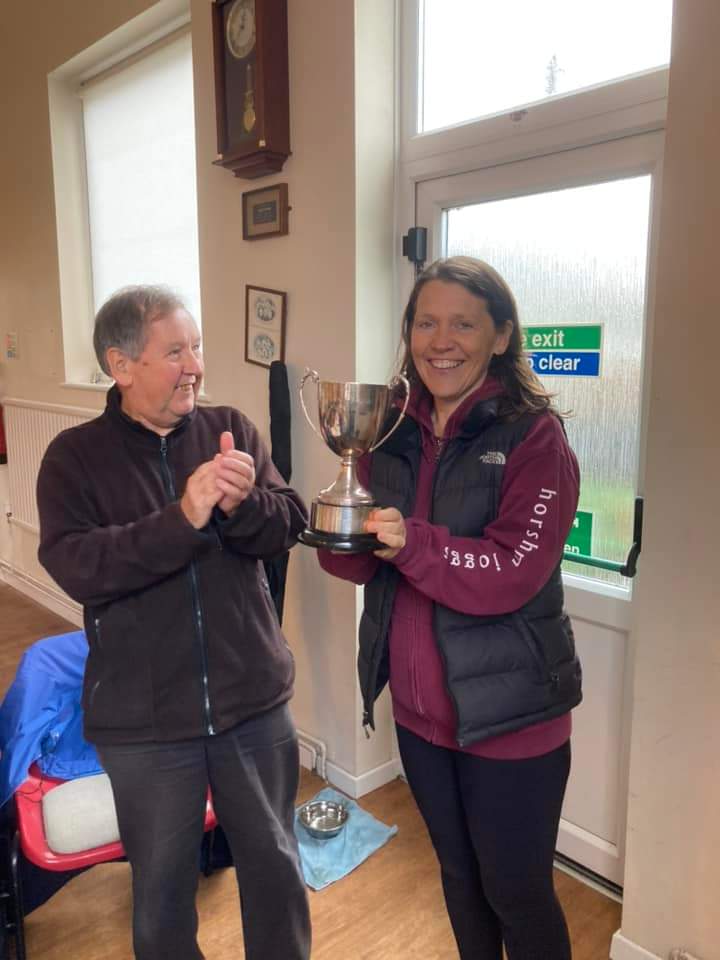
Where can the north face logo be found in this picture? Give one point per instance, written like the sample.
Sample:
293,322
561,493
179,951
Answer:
493,456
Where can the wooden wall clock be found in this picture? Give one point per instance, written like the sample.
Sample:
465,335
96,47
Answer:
252,96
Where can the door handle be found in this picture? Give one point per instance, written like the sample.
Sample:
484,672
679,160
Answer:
627,569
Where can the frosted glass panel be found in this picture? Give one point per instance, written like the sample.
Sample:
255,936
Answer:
576,258
480,57
140,154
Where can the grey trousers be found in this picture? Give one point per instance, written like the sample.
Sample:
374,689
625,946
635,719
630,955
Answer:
160,791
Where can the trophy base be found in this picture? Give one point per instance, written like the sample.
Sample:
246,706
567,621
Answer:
341,542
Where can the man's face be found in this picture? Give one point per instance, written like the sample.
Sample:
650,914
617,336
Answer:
161,386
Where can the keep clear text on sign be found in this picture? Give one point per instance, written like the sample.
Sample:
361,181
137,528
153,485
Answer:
564,351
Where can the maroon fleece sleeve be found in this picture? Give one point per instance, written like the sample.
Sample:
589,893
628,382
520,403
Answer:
500,571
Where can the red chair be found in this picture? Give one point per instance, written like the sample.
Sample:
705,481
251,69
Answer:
29,837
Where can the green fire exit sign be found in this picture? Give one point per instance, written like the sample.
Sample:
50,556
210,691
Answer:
584,336
580,538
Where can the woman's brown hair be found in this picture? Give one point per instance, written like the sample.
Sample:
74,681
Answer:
524,393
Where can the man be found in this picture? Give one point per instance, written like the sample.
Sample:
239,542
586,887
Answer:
156,516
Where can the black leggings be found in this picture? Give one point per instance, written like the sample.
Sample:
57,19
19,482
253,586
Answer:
494,824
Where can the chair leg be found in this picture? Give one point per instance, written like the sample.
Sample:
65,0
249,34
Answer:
7,905
6,924
17,897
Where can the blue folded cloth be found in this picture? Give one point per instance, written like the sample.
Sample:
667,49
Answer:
325,861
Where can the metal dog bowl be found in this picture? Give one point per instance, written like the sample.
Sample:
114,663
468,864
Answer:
323,818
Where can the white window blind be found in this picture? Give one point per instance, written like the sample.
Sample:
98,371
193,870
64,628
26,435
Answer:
139,132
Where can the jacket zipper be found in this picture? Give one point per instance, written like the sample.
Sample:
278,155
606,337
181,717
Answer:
94,689
414,672
195,593
440,458
415,680
368,718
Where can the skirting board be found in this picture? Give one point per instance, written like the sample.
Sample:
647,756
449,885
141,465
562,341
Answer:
592,851
47,596
623,949
356,787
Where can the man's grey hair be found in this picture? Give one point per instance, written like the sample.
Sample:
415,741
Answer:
123,321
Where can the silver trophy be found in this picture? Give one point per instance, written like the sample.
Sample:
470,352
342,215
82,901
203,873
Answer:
350,417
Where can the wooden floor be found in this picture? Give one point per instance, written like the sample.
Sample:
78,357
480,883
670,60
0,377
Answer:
390,908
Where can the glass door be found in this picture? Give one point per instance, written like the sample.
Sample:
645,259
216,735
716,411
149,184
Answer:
572,234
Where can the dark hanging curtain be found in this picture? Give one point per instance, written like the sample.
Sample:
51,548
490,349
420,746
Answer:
276,569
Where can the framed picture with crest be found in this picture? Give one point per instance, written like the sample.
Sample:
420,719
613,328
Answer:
265,311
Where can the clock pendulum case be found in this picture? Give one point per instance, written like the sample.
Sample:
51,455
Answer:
251,85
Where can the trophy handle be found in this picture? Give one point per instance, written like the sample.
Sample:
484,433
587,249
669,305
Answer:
393,383
315,377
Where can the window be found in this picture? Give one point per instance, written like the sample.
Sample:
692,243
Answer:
123,137
139,136
479,58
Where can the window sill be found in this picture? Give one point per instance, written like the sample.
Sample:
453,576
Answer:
96,387
203,397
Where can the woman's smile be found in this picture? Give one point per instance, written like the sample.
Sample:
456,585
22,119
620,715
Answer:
444,364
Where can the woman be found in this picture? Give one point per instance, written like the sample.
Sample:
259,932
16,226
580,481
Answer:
464,609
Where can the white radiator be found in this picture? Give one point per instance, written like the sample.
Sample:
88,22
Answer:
680,954
30,427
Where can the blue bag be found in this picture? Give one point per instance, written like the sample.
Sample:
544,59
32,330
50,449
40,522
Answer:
41,716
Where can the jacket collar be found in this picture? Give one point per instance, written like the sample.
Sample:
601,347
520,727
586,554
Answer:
477,411
135,429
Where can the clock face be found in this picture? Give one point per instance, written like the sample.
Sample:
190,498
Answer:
240,28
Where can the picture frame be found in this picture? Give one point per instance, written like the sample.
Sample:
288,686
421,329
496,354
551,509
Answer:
265,212
265,317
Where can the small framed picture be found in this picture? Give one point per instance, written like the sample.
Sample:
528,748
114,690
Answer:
264,325
265,212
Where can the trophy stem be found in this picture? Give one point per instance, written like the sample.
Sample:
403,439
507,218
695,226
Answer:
347,489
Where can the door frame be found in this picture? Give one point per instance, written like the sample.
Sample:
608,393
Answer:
638,154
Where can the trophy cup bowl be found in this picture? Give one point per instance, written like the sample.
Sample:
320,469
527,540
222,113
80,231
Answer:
350,418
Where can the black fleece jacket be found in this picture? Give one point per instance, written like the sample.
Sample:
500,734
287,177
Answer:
184,639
